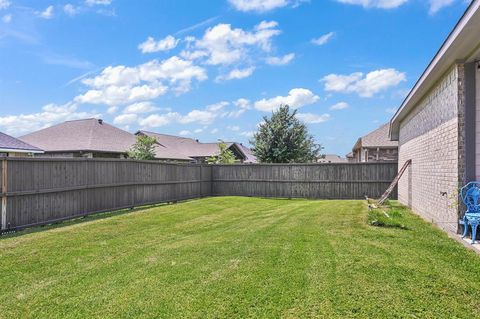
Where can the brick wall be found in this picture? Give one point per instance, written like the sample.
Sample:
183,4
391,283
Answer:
382,154
429,136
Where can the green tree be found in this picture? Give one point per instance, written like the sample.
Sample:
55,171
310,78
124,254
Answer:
225,156
283,138
143,149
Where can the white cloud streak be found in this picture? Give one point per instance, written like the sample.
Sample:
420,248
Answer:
151,45
296,98
364,85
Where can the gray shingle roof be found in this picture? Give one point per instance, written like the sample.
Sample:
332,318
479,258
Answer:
92,135
8,143
248,153
332,158
189,146
377,138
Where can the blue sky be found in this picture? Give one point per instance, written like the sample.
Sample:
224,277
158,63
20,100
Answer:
212,69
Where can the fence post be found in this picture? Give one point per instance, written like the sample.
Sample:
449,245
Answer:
290,178
4,193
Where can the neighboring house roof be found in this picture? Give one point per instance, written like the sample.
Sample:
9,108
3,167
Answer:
90,135
12,144
332,158
190,147
378,138
250,158
462,44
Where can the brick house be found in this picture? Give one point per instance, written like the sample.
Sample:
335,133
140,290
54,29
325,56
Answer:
376,146
437,125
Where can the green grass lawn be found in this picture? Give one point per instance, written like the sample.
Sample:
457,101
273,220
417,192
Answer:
234,257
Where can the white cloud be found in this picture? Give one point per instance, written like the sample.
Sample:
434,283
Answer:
70,9
118,95
323,39
50,114
150,45
214,131
112,110
124,119
339,106
286,59
296,98
217,106
381,4
311,118
233,114
140,107
236,74
198,116
98,2
365,86
156,120
222,45
234,128
4,4
122,85
247,133
7,18
258,5
198,130
243,104
184,132
437,5
47,13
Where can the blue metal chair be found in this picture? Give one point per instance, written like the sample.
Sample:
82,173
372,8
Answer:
470,195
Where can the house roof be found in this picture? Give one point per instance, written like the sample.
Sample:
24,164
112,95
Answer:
462,44
378,138
332,158
189,146
250,158
12,144
92,135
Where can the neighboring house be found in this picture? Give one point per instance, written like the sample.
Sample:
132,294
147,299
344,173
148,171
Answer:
91,138
11,146
350,157
331,158
196,150
438,127
376,146
250,158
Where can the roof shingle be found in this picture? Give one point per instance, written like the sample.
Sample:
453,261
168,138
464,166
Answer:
8,142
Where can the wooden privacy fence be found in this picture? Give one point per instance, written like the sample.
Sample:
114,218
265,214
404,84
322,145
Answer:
38,191
316,181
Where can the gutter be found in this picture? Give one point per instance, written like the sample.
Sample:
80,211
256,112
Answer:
16,150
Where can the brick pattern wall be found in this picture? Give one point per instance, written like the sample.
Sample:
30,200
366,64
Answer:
382,154
429,136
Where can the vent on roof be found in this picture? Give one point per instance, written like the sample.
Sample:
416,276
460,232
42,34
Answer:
100,121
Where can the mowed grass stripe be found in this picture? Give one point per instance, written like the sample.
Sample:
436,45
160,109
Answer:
236,257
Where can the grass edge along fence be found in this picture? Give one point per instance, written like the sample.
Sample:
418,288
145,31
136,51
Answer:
38,191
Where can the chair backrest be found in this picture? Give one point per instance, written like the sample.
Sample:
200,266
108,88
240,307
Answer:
470,195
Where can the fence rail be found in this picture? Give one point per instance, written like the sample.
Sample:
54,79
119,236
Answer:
37,191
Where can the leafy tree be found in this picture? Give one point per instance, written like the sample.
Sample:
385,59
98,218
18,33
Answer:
284,139
225,156
143,149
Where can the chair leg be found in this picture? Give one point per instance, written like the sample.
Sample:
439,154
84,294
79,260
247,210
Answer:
474,231
465,227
